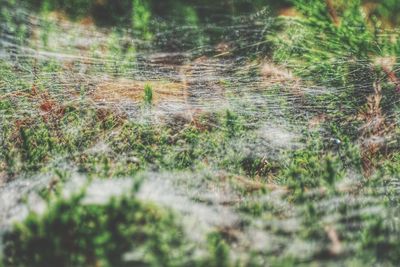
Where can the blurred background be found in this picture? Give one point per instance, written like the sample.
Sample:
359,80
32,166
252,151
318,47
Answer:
174,25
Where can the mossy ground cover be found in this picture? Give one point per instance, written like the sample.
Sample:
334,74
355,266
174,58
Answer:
280,152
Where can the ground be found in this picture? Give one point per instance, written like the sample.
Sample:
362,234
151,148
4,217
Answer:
197,144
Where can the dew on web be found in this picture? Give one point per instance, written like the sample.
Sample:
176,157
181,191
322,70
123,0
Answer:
68,62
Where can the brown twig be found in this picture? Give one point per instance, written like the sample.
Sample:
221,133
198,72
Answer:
332,12
392,77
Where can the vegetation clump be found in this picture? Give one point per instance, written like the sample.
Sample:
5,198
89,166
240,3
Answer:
148,94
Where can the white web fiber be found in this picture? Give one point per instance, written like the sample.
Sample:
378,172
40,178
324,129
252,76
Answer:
78,63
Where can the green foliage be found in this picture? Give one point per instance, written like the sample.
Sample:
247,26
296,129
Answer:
148,94
313,167
387,10
377,237
219,251
12,20
322,44
35,145
232,124
141,15
335,45
124,232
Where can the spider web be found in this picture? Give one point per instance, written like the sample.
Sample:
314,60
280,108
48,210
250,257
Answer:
71,62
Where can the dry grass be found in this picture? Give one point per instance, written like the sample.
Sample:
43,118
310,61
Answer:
277,75
374,130
288,12
120,90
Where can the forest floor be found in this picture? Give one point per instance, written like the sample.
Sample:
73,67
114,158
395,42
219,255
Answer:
214,155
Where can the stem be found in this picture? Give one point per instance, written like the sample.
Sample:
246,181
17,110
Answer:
332,12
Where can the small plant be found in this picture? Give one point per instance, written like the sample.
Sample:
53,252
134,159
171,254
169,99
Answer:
148,94
141,15
232,124
219,250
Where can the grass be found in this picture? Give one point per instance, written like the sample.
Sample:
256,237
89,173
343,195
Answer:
241,185
148,94
306,176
